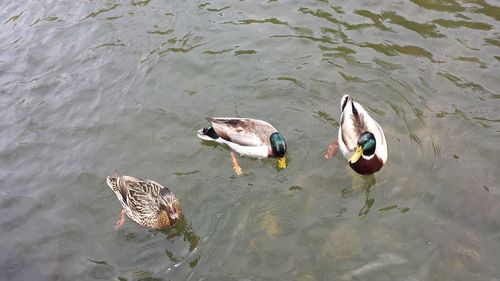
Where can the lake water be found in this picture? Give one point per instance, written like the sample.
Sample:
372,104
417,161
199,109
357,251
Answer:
90,87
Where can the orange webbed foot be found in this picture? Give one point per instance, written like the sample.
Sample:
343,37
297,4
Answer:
236,166
121,221
333,148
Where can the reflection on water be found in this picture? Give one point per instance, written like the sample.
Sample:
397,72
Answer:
183,230
361,184
92,86
383,260
171,248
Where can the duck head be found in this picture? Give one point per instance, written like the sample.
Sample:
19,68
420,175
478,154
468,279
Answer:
365,148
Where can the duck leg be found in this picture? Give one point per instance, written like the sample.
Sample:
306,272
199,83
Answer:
236,166
121,221
333,148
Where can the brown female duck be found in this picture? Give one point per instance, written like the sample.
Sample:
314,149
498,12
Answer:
145,202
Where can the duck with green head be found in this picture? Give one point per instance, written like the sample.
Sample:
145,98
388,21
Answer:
361,139
246,136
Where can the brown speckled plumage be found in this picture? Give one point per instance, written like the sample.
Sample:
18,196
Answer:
146,202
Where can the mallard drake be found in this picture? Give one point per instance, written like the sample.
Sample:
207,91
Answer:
144,201
361,139
246,136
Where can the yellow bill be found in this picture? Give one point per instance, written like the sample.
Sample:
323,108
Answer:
282,163
357,154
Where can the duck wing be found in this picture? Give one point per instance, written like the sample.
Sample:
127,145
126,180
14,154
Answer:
243,131
141,196
352,124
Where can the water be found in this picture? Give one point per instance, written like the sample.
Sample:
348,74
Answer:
90,87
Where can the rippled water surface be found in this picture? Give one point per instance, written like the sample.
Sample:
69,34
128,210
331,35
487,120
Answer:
90,87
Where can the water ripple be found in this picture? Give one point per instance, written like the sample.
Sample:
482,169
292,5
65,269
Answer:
424,29
102,10
89,87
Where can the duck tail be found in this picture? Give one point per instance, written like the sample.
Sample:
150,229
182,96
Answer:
208,134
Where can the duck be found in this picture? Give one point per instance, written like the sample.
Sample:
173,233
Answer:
360,139
145,202
247,137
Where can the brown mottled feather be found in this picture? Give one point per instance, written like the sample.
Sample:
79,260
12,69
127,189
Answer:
146,202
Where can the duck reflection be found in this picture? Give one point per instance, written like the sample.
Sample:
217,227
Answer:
181,229
363,184
178,242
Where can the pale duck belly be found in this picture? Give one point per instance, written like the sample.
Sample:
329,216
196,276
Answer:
261,151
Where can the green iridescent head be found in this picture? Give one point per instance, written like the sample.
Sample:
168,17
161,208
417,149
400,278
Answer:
367,142
366,147
278,144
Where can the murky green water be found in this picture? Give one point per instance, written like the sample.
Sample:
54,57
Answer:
90,87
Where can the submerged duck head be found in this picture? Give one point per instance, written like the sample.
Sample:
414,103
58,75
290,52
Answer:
278,144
